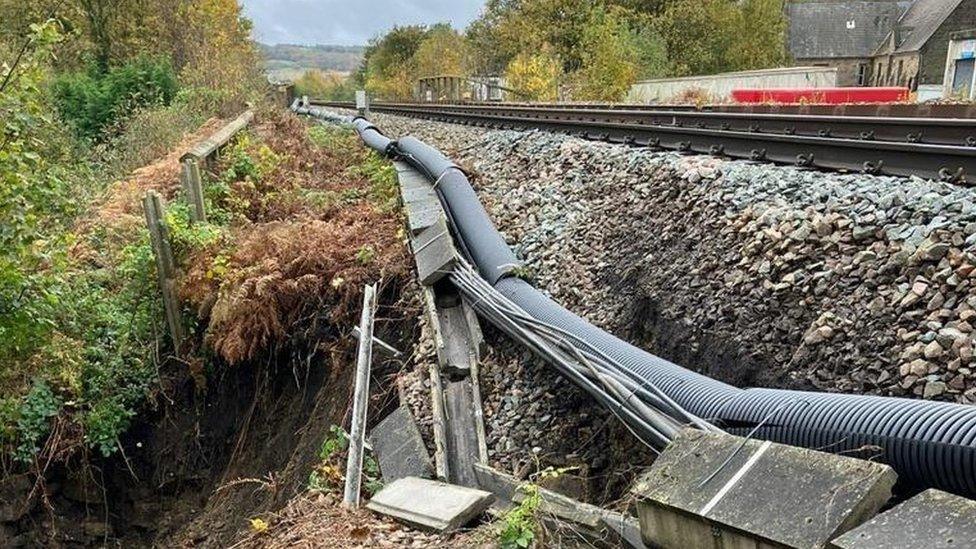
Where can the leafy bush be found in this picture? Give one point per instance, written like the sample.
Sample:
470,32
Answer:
38,407
535,76
91,101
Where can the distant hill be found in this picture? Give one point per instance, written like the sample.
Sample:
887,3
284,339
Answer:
287,60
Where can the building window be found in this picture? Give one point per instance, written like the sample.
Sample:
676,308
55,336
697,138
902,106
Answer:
901,65
862,70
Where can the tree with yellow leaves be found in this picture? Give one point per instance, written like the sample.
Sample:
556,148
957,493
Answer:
442,52
535,76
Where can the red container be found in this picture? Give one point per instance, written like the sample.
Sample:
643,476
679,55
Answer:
829,96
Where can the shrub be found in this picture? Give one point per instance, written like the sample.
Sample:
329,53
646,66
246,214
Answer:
91,101
535,76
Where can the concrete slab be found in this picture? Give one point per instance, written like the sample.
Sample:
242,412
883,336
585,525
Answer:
418,194
933,519
419,218
767,495
429,504
434,253
399,448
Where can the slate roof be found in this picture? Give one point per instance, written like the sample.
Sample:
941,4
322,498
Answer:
828,29
924,17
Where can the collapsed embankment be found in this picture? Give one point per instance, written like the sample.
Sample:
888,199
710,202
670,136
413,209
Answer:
300,219
753,274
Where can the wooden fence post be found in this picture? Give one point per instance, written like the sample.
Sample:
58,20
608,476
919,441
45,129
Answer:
357,432
193,188
155,211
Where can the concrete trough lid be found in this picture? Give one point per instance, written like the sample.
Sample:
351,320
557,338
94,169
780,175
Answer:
767,495
933,519
429,504
434,253
399,447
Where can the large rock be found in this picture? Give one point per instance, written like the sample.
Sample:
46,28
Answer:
14,500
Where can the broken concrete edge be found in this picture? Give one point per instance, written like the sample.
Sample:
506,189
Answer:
429,504
933,519
702,487
435,256
596,519
434,252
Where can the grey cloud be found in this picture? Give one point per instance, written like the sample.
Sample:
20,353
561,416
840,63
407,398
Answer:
349,22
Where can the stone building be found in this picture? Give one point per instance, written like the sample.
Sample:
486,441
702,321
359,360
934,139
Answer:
877,42
841,34
913,53
960,72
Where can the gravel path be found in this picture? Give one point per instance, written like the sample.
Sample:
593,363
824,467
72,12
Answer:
752,273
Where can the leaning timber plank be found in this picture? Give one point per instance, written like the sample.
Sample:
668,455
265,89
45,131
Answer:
155,212
193,189
208,146
479,414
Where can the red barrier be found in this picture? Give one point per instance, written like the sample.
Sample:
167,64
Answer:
829,96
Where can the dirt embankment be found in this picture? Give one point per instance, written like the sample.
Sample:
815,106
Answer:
300,221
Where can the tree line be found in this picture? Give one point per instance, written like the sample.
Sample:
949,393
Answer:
580,49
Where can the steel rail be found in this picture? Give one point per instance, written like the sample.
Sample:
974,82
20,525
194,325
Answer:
941,131
906,110
928,160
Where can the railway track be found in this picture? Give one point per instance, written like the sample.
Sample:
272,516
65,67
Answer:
934,147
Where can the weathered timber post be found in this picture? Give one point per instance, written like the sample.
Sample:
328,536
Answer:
357,432
155,211
193,188
199,157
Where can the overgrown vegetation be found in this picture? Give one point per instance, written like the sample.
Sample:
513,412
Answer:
78,313
90,100
580,49
328,474
521,526
303,221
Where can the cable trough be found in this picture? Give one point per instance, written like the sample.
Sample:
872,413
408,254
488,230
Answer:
935,148
929,444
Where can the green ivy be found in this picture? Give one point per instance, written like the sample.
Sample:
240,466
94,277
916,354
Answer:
34,419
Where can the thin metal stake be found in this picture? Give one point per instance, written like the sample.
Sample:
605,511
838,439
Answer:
357,433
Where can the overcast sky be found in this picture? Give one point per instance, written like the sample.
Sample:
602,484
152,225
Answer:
349,22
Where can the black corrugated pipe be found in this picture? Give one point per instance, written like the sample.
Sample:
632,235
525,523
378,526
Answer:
373,137
929,444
